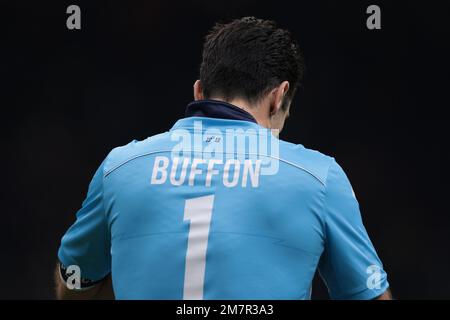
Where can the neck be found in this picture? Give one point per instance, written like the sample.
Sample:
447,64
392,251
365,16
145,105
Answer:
256,110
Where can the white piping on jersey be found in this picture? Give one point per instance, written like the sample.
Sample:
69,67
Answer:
299,167
251,154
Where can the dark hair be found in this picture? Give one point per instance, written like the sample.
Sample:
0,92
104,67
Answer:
247,58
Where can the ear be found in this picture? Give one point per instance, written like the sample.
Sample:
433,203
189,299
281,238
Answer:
278,95
198,90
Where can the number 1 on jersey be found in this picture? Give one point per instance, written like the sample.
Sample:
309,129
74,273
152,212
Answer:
198,211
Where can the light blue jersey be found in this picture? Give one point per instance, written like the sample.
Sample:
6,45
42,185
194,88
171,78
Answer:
194,214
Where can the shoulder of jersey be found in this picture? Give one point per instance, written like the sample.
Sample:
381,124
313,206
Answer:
308,160
123,154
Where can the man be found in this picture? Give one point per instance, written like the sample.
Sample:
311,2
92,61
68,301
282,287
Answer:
219,207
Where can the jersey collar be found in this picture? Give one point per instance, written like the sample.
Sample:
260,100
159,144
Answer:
217,109
216,114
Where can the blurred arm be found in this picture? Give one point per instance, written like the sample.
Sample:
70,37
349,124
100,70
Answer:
387,295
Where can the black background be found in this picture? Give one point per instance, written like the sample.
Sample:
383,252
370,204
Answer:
376,100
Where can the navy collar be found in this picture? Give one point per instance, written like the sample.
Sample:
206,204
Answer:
217,109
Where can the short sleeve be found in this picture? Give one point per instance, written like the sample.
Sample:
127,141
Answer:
87,242
349,264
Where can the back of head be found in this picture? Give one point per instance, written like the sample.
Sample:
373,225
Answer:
247,58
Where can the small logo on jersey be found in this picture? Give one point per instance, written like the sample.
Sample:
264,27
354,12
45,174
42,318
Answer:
257,145
212,139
